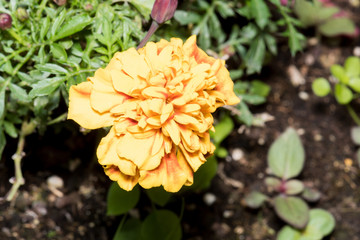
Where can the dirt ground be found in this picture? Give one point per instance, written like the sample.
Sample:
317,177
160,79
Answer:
80,213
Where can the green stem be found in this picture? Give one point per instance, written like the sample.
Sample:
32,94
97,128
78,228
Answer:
17,157
20,64
18,37
41,9
58,119
13,54
353,114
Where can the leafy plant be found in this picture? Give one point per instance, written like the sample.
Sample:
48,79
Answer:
328,19
286,159
252,40
47,49
355,136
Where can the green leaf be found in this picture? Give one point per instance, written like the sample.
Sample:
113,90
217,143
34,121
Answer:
57,22
343,94
321,87
224,9
260,88
129,231
221,152
2,99
158,195
186,17
74,25
245,115
143,6
255,56
286,155
355,135
271,43
10,129
223,129
294,39
2,141
337,26
288,233
18,93
352,66
311,195
255,199
260,12
354,83
51,68
272,183
120,201
339,72
26,77
204,175
292,210
322,220
294,187
45,87
357,156
253,99
58,51
161,224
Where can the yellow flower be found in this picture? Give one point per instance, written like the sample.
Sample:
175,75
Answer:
158,101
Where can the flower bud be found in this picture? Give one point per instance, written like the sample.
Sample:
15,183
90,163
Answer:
5,21
163,10
60,2
22,14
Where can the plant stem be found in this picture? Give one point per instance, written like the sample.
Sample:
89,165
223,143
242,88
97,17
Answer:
18,38
20,64
154,26
41,8
353,114
17,157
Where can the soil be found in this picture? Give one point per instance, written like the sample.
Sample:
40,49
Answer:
324,127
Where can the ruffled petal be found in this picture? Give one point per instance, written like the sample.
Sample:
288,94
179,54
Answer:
125,182
170,174
139,151
80,109
107,154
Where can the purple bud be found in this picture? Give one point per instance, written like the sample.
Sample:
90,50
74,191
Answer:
284,2
5,21
163,10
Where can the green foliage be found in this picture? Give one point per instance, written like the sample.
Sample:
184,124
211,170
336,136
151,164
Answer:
355,136
129,231
255,199
348,86
321,224
53,48
292,210
158,195
251,41
120,201
286,155
324,18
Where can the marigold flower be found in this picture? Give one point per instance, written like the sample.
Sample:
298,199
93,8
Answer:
158,101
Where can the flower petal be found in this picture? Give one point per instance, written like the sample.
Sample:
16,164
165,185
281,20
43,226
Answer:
169,174
106,153
80,109
125,182
139,151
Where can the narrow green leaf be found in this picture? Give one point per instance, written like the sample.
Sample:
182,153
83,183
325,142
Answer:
224,9
158,195
44,27
74,25
253,99
271,43
129,231
286,155
294,40
57,22
260,88
255,55
186,17
18,93
120,201
2,100
161,224
2,141
10,129
292,210
223,129
51,68
321,87
260,12
343,94
58,51
45,87
26,77
245,115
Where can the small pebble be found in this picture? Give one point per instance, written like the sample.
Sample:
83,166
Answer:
209,199
304,96
318,137
55,182
301,131
309,60
356,51
228,213
239,230
237,154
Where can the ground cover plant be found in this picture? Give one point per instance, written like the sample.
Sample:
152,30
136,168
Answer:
149,75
